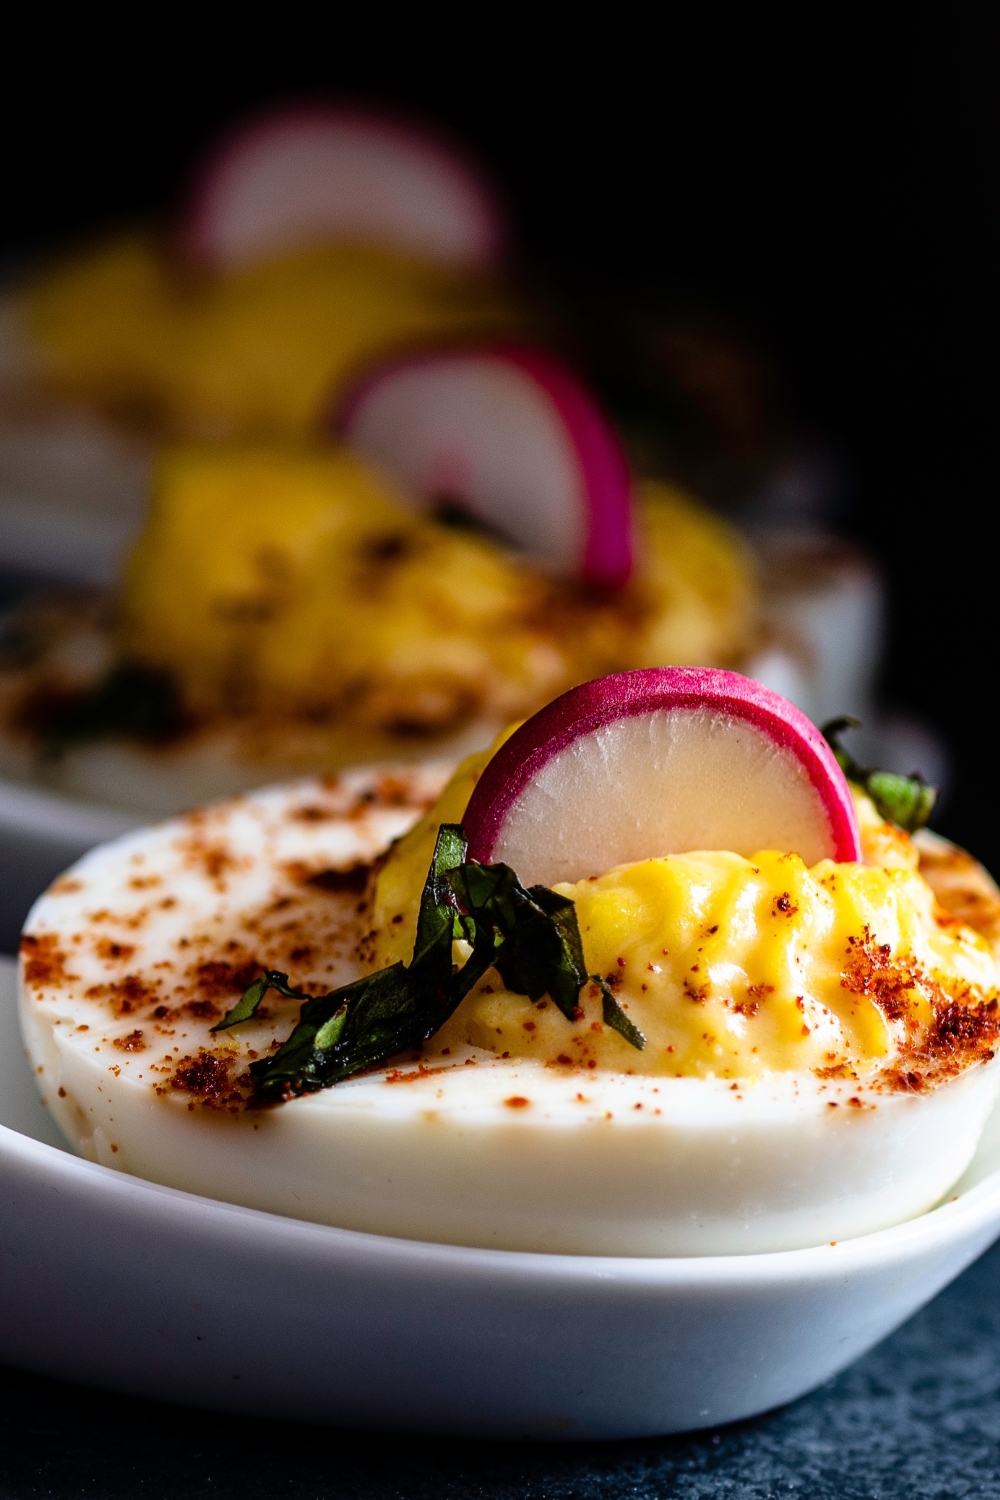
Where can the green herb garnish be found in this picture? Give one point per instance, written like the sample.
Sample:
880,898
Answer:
907,801
363,1023
531,937
248,1004
615,1017
131,701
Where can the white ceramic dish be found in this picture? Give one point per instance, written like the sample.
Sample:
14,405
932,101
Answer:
73,489
42,834
137,1288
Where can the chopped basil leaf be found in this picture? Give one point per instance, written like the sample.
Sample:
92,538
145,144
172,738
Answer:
907,801
363,1023
531,937
248,1004
457,517
616,1018
353,1028
436,923
131,701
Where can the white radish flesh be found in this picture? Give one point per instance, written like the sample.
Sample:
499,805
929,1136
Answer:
659,762
307,176
512,437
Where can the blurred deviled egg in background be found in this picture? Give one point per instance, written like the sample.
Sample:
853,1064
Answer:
316,491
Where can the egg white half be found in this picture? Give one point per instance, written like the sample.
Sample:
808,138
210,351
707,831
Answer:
474,1150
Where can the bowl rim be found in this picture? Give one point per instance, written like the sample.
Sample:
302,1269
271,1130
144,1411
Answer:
39,812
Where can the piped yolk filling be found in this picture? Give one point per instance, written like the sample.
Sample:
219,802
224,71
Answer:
735,967
325,598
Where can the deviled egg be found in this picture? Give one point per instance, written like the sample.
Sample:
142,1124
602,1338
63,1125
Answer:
638,981
314,244
303,608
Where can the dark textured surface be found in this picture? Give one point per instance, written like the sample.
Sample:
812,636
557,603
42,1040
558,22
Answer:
918,1417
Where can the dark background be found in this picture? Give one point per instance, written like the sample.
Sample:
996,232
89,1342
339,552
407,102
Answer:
824,193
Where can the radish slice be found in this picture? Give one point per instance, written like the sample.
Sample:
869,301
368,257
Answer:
511,436
655,762
304,176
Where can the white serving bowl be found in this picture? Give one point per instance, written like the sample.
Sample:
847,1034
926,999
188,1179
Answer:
138,1288
42,834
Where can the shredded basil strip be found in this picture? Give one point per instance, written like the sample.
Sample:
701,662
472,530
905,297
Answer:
907,801
530,936
248,1004
362,1024
616,1018
132,701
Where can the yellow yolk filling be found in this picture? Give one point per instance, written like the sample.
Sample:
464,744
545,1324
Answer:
731,967
323,596
261,350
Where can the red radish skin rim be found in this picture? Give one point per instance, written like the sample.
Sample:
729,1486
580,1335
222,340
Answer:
603,468
587,708
482,193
